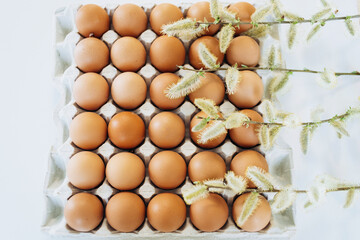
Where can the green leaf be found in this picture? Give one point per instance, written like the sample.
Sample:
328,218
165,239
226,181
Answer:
200,126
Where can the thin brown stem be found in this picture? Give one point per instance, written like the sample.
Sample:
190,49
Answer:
356,73
283,21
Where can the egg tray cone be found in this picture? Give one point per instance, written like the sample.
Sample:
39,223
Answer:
57,187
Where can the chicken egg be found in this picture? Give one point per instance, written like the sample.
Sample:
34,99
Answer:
200,11
244,136
212,87
125,171
212,44
166,130
248,158
85,170
91,20
167,169
166,53
206,165
126,130
195,136
243,50
163,14
125,211
158,87
129,20
166,212
91,91
243,12
83,212
249,91
209,214
128,90
91,55
128,54
88,130
260,217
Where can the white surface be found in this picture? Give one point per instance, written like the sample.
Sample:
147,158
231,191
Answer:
26,119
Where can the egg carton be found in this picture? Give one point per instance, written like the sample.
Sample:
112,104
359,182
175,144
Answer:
58,188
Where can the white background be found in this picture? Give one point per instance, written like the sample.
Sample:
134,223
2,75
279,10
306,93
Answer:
26,123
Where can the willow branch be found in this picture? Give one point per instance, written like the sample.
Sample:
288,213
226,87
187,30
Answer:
354,73
282,21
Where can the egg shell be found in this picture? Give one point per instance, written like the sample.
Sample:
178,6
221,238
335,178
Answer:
128,90
248,158
166,53
243,50
125,211
85,170
125,171
212,87
91,91
92,20
195,136
260,217
128,54
83,212
209,214
88,130
163,14
91,55
200,11
244,136
166,130
166,212
126,130
243,12
167,169
129,20
206,165
157,90
249,91
212,44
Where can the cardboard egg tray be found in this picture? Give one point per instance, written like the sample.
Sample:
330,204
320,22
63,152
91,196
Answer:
57,187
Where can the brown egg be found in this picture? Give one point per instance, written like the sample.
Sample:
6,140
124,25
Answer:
128,54
243,11
125,171
163,14
167,169
128,90
245,159
83,212
247,137
157,91
88,130
166,53
209,214
126,130
260,217
166,130
243,50
166,212
249,91
212,87
91,55
91,91
212,44
125,211
195,136
206,165
200,11
92,19
129,20
85,170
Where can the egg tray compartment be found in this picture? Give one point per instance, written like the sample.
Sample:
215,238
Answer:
57,187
